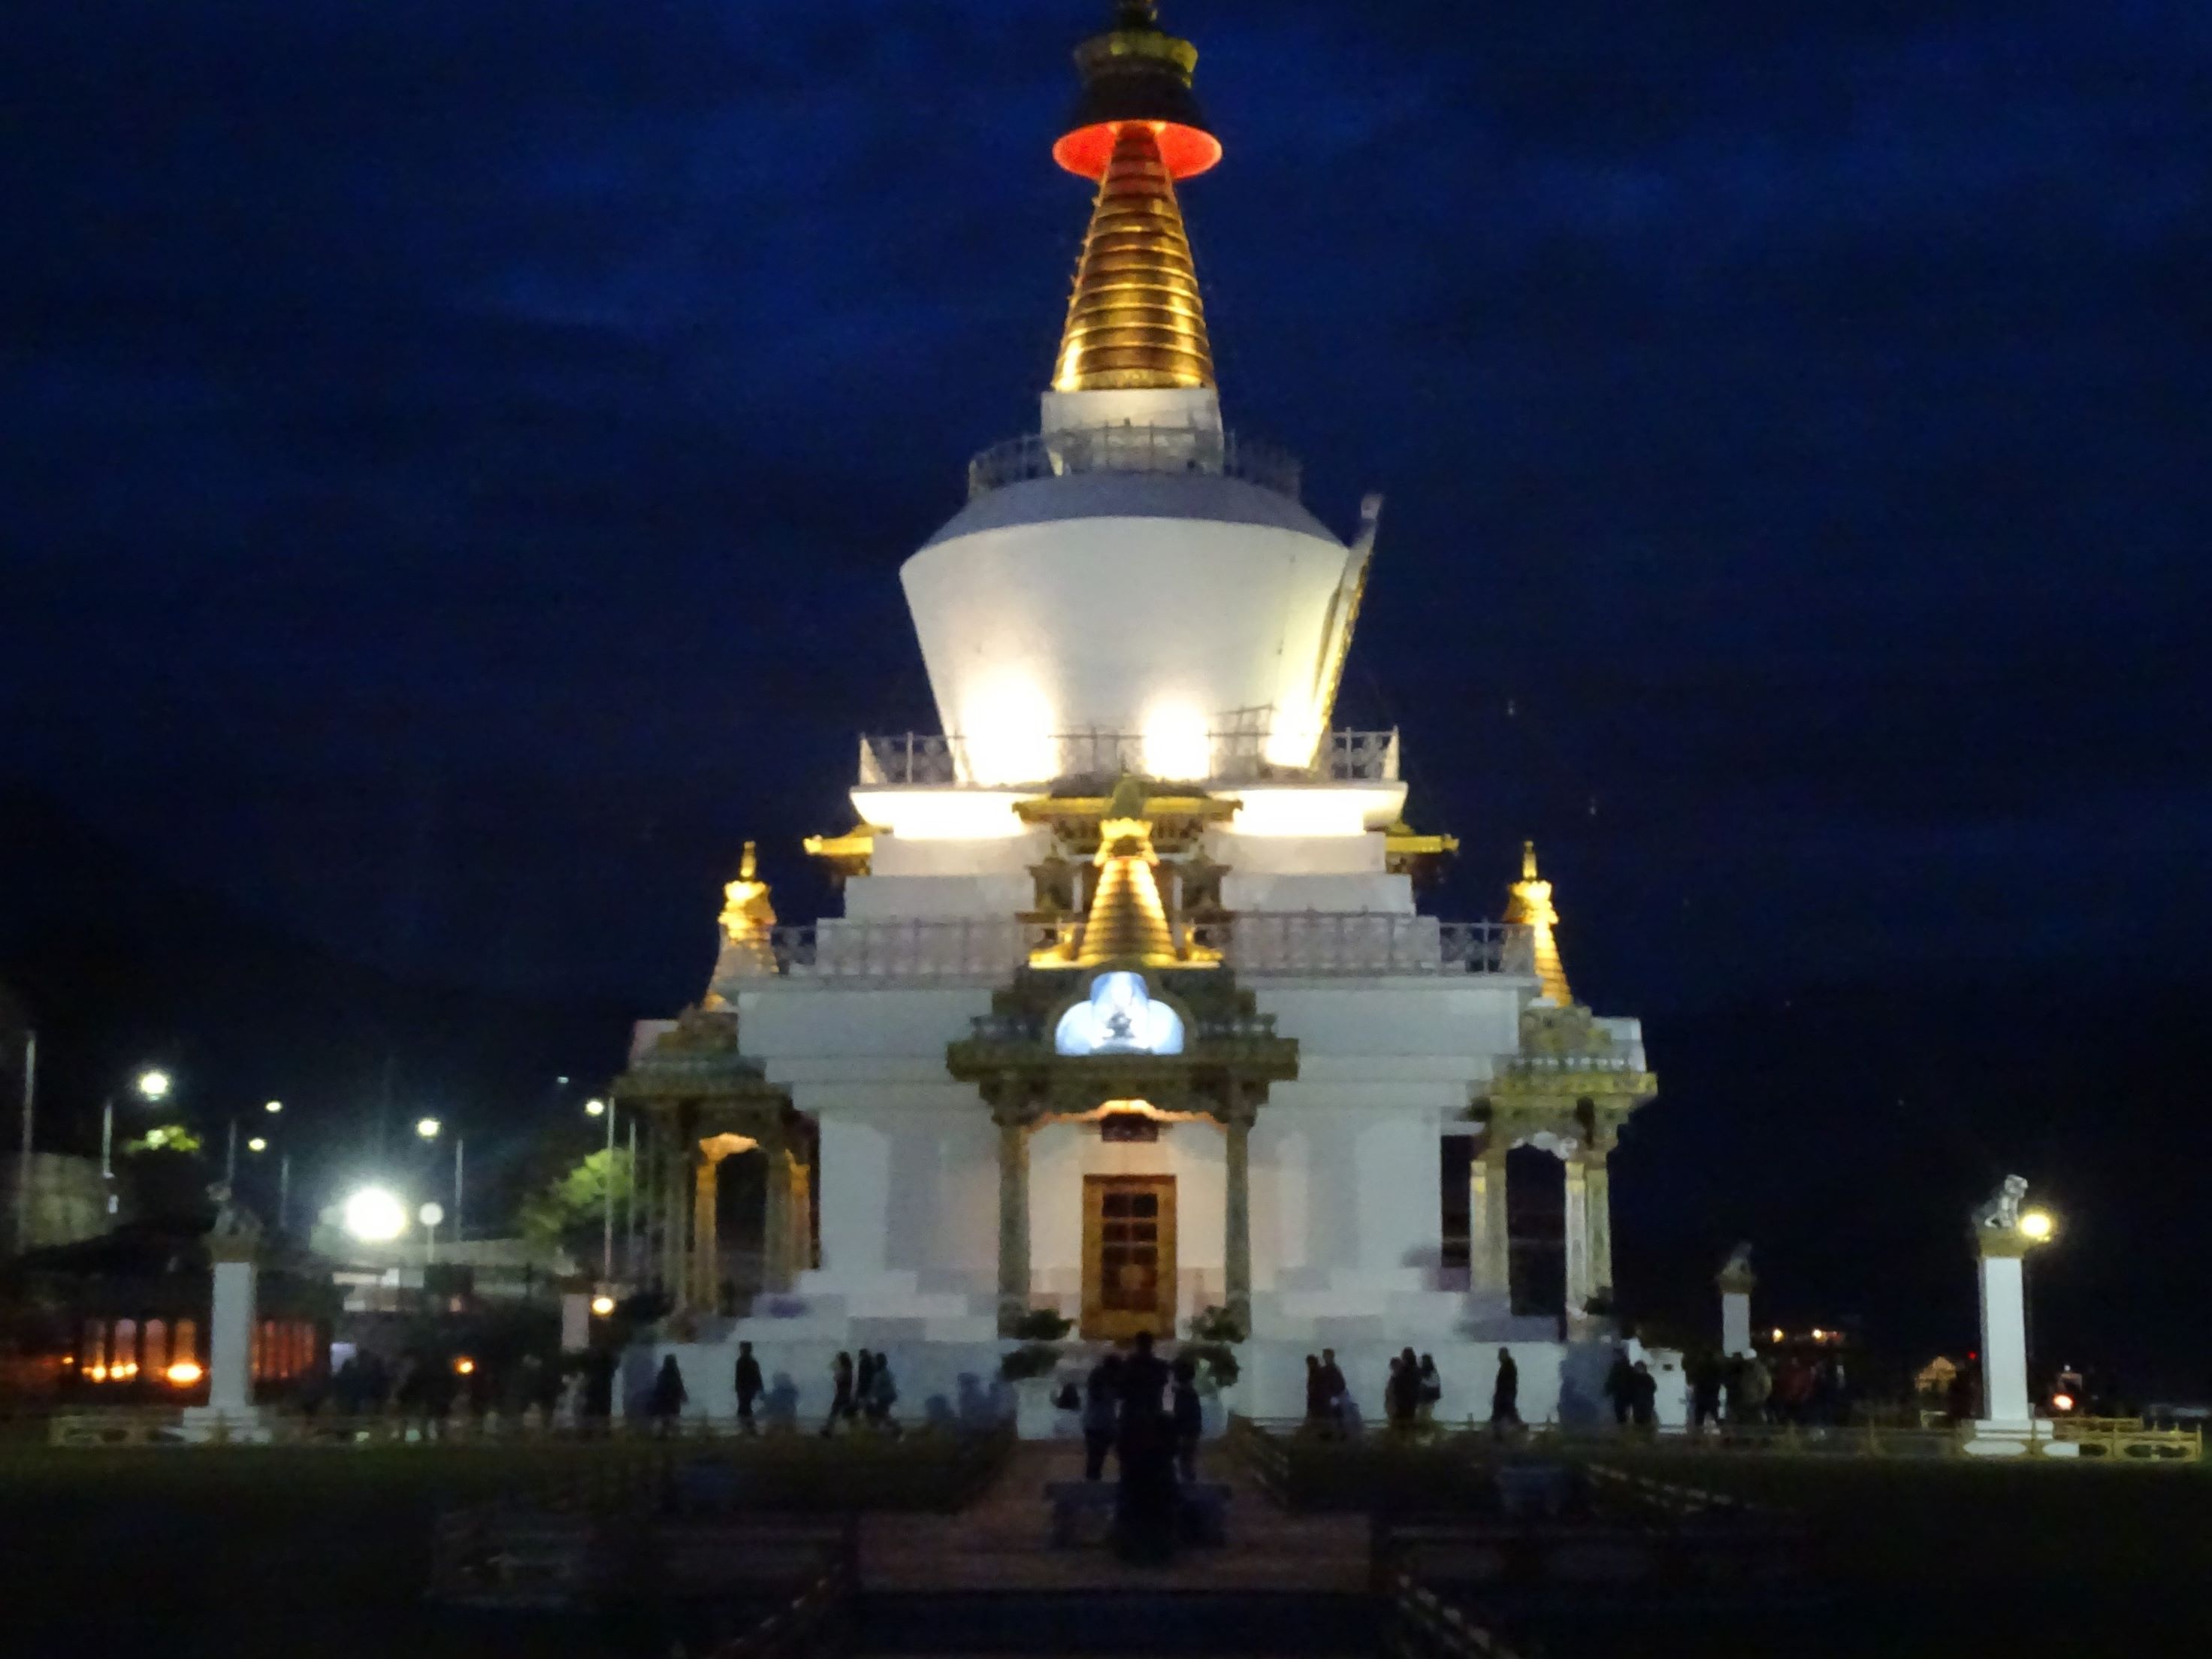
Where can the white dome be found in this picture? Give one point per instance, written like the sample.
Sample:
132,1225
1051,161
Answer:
1169,607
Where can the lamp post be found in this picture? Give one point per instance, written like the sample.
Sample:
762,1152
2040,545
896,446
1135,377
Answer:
600,1108
430,1128
259,1144
152,1085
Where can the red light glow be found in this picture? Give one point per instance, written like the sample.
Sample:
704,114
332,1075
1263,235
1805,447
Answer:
1187,151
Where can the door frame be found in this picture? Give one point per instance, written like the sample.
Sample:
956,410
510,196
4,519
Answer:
1102,1324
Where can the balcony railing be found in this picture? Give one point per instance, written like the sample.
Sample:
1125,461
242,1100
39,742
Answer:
1233,757
1172,449
1304,944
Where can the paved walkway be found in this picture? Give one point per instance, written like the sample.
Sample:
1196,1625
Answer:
1002,1542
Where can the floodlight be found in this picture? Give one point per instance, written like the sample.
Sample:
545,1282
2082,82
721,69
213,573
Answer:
374,1217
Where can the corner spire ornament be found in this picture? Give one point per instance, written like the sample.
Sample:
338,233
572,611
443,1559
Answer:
747,925
1530,906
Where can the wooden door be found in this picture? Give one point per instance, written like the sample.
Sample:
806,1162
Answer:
1128,1256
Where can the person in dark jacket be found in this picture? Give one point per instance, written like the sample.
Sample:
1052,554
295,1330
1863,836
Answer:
1145,1498
749,1388
1621,1386
1506,1394
1189,1419
669,1397
1101,1414
1432,1389
1643,1397
841,1395
1335,1392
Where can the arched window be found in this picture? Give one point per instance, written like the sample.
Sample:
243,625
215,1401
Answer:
125,1365
157,1350
186,1345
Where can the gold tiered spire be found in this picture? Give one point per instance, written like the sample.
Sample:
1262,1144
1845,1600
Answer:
1530,906
748,922
1135,319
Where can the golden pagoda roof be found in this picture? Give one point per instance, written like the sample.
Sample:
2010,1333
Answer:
1135,319
1127,923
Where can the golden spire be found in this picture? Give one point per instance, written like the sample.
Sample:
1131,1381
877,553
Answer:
1127,923
1135,319
748,950
1530,906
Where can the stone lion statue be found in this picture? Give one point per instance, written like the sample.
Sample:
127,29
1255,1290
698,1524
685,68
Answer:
2001,1211
232,1218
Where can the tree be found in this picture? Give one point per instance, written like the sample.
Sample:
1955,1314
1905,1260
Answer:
570,1210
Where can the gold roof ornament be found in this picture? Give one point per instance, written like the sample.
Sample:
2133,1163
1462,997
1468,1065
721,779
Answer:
1135,319
1530,906
1127,923
748,921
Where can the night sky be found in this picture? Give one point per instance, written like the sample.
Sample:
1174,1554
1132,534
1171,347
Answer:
457,458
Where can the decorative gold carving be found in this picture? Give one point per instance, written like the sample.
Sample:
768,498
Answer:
847,855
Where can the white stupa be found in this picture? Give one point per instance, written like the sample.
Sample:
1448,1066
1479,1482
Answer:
1132,1014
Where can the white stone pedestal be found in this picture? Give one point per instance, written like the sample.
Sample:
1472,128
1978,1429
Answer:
230,1412
1736,1282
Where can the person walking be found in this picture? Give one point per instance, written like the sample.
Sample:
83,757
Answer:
1706,1374
1621,1387
1643,1397
1754,1384
749,1388
1317,1406
864,1385
1505,1394
1432,1390
1101,1414
1145,1500
882,1397
1401,1393
841,1393
1334,1392
1189,1419
669,1397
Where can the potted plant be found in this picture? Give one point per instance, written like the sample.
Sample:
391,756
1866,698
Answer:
1212,1347
1030,1369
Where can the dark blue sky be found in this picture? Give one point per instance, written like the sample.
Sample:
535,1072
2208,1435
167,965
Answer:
457,454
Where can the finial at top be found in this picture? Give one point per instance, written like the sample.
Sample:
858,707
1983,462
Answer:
1136,13
1527,861
749,865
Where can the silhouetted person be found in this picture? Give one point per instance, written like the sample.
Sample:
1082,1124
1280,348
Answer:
1188,1418
841,1395
1101,1414
751,1387
1705,1390
1145,1506
1643,1397
1317,1406
864,1384
1620,1385
1506,1394
598,1401
881,1395
1432,1391
1333,1390
668,1398
1401,1394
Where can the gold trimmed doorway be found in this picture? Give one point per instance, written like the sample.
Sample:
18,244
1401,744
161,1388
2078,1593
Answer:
1128,1256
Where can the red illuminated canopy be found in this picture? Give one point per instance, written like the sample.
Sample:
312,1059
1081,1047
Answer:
1187,151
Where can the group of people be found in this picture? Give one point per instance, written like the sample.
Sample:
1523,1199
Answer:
1634,1391
1410,1396
1145,1414
862,1390
1796,1389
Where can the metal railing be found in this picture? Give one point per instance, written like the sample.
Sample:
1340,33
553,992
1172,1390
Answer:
1185,450
1299,944
901,758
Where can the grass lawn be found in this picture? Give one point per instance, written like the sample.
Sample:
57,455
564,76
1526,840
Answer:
243,1551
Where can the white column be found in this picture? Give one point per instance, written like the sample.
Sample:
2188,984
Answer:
575,1320
1488,1249
230,1412
1736,1282
2005,1403
230,1339
1577,1230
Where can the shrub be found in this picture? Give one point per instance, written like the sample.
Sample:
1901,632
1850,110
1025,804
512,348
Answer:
1217,1325
1042,1325
1030,1359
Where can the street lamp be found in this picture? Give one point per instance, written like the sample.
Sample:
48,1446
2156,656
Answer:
374,1216
430,1128
273,1108
152,1084
260,1144
2038,1225
430,1215
257,1144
